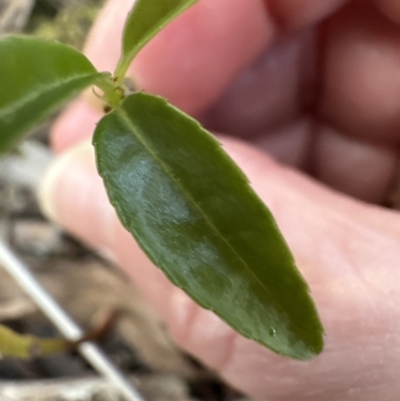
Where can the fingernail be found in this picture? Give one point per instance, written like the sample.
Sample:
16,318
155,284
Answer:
62,174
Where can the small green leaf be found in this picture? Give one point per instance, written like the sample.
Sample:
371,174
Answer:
194,213
17,345
36,77
146,19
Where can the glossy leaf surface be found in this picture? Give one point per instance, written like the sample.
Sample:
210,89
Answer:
36,77
17,345
147,18
192,211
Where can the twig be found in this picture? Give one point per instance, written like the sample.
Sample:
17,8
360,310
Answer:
67,327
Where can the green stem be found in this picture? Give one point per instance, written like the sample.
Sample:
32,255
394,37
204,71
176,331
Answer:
121,69
113,93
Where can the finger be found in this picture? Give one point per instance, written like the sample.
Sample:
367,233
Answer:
348,253
194,58
360,74
295,14
355,167
273,91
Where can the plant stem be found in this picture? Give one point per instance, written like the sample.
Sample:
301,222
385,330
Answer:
121,69
113,92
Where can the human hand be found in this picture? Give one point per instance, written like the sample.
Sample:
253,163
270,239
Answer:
324,98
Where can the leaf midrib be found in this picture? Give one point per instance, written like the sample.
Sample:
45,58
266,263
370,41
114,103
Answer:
143,141
18,104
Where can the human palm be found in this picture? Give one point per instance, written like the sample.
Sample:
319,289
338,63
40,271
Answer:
315,84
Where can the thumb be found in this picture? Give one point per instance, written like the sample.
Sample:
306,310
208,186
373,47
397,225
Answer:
347,251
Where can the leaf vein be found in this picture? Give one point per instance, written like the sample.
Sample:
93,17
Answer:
33,96
187,194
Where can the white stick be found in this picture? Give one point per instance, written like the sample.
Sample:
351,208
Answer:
67,327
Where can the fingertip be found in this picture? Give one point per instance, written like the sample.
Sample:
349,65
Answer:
52,192
72,194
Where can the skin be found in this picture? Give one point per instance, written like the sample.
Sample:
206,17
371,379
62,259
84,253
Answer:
305,96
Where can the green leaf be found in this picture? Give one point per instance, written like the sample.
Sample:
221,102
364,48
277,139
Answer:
36,77
193,212
146,19
17,345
